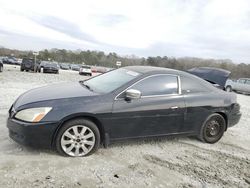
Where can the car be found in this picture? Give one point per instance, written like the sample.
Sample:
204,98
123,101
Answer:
10,60
242,85
64,66
75,67
29,64
101,69
93,69
51,67
1,65
41,65
125,103
19,61
85,70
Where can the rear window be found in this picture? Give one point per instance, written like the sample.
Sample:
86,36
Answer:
28,60
190,85
86,67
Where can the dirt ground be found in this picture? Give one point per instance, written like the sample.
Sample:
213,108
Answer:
169,162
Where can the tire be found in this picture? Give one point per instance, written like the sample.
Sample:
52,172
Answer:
22,70
90,74
229,89
212,129
1,68
69,138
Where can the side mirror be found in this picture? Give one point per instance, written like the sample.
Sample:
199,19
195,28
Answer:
132,94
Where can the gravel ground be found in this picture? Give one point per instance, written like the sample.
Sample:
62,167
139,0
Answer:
169,162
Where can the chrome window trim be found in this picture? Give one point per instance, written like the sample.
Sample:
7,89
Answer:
150,96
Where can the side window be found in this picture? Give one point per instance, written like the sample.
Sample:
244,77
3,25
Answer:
242,81
248,82
158,85
189,85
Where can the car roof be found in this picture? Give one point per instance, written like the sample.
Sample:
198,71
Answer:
161,70
151,69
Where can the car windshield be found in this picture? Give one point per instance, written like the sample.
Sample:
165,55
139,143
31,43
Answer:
110,81
51,64
85,67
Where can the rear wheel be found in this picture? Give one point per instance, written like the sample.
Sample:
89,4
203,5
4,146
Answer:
78,138
213,129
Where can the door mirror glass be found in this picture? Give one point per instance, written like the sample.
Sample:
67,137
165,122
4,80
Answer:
133,94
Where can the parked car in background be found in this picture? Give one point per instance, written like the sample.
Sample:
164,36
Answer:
101,69
85,70
93,69
126,103
242,85
1,65
75,67
10,60
51,67
64,66
41,65
19,61
29,64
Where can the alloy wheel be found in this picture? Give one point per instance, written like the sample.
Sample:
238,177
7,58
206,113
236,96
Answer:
213,128
78,140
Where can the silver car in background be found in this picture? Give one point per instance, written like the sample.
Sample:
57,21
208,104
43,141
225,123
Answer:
85,70
242,85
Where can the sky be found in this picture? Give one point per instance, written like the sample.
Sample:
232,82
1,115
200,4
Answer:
217,29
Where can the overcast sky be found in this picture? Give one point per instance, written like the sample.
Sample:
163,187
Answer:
196,28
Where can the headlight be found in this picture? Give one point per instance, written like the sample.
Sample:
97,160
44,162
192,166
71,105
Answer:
32,114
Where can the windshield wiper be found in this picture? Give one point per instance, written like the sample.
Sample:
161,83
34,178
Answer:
87,86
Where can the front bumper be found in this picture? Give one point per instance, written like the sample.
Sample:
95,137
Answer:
32,134
233,119
48,70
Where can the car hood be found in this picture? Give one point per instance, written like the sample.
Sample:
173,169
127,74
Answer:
50,66
211,74
54,91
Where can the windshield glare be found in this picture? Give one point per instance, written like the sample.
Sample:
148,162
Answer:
111,81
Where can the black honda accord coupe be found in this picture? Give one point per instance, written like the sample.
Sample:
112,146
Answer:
126,103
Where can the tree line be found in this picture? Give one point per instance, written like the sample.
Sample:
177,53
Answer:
100,58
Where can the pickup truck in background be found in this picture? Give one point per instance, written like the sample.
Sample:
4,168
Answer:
242,85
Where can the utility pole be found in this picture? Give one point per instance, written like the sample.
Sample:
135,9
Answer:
35,54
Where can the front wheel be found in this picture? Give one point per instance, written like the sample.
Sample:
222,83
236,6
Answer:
213,129
78,138
229,89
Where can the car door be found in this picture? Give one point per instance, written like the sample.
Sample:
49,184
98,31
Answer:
159,111
240,85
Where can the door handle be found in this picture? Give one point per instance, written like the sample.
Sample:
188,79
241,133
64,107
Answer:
174,107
